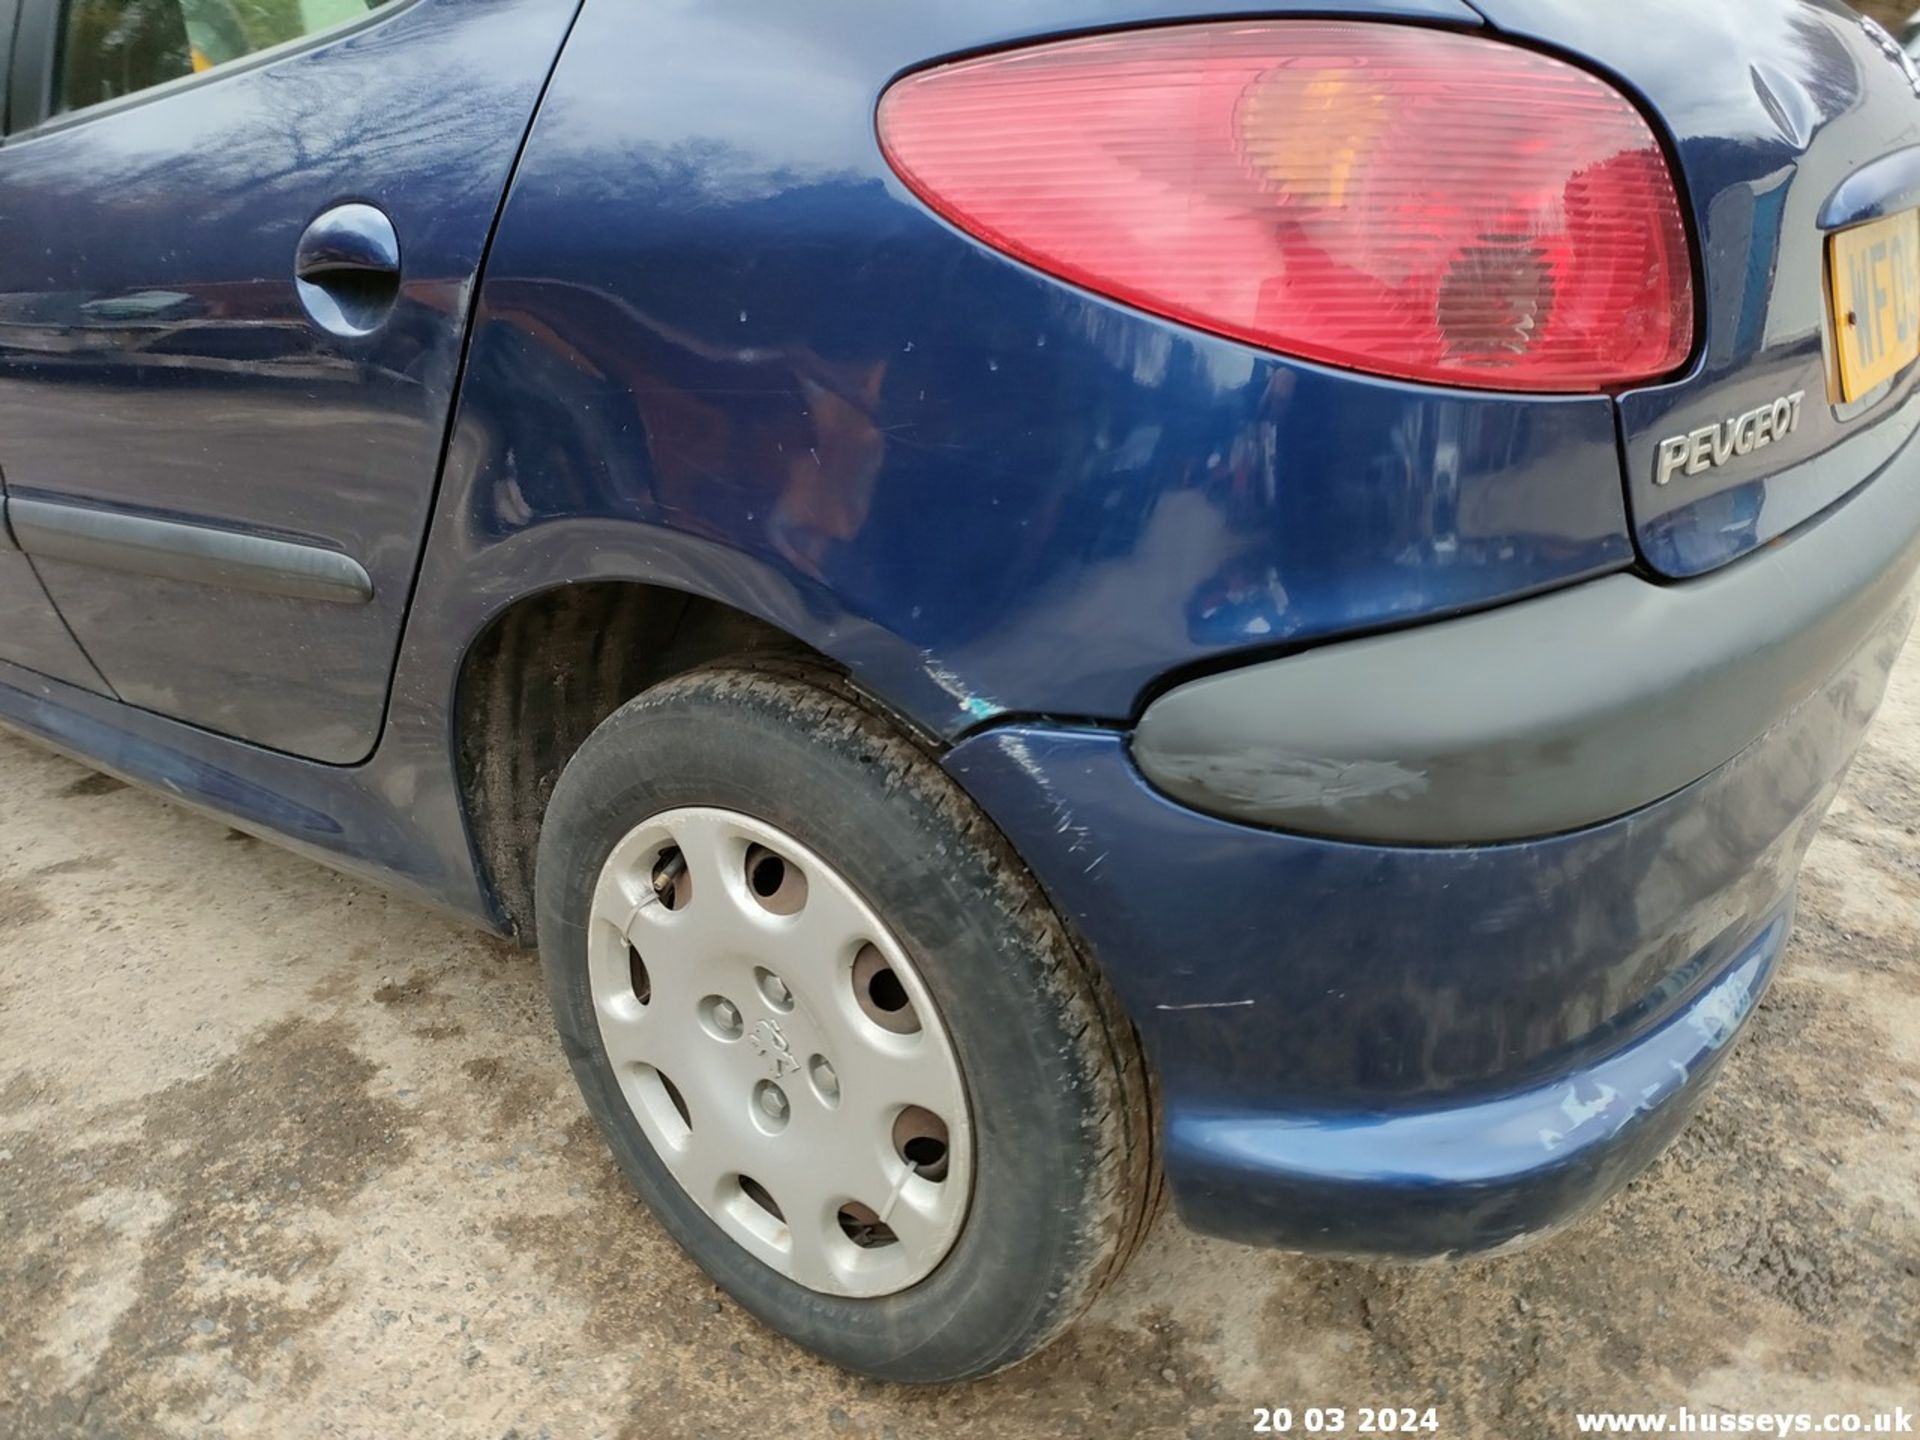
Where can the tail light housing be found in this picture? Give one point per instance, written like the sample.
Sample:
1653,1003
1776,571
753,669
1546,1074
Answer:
1417,203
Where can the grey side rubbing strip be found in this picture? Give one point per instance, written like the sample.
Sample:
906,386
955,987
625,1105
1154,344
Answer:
1549,714
141,545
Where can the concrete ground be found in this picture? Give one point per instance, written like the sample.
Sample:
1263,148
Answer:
282,1156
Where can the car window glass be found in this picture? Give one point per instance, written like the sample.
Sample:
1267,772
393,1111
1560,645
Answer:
110,48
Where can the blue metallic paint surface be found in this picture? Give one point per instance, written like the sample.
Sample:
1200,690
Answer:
35,634
396,820
1482,1033
793,389
1434,1182
719,349
1770,105
164,364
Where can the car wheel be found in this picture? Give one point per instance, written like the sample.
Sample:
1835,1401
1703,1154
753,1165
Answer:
832,1031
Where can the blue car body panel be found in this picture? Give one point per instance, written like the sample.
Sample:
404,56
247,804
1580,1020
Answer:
164,366
1405,1050
713,345
797,391
1771,105
37,637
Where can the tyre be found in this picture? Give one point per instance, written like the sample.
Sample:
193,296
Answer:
833,1033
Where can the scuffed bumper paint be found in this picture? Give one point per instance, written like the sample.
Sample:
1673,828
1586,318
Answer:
1494,1173
1414,1051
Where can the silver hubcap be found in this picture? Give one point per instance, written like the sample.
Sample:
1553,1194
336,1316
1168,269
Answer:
779,1051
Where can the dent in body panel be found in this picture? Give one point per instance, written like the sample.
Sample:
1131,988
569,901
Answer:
396,820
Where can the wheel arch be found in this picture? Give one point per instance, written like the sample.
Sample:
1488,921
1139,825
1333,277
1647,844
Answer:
544,670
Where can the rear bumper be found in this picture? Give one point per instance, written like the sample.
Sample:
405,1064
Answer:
1542,716
1470,1176
1404,1049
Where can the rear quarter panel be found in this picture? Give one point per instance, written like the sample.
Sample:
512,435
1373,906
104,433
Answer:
1769,105
720,347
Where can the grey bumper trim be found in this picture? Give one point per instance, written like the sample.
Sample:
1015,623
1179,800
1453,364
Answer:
1549,714
202,554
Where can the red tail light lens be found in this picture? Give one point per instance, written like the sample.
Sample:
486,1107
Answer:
1410,202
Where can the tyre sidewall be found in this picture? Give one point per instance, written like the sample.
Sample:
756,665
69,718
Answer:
901,833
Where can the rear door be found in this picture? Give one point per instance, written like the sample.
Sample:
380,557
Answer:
31,633
1793,122
238,240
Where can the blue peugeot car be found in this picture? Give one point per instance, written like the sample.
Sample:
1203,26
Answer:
1030,601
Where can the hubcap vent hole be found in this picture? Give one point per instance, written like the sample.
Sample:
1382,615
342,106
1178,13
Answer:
660,1089
672,880
920,1137
863,1226
775,881
882,997
757,1193
637,971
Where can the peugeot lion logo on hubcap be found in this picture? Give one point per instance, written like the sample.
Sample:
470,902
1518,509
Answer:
771,1042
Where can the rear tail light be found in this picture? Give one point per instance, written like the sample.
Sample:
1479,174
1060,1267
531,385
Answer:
1410,202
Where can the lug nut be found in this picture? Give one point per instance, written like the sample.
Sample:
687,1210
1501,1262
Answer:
771,1103
826,1084
721,1017
772,989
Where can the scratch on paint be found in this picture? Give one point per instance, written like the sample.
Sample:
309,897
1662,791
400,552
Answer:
1207,1005
1078,835
977,707
1070,827
1579,1111
1022,755
1718,1015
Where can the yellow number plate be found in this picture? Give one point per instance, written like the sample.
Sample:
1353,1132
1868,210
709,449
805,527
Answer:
1875,274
